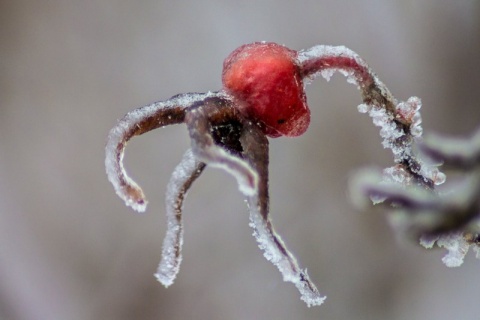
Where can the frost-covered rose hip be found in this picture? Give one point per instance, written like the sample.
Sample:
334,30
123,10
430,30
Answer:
265,81
263,95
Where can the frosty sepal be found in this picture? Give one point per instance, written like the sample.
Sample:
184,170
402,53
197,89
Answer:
455,243
248,163
186,172
134,123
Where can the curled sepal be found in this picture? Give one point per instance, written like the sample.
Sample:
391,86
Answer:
202,120
248,163
186,172
135,123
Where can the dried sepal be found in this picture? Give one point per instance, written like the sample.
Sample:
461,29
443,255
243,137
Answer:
186,172
137,122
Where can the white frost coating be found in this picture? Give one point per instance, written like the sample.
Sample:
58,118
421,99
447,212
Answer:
172,244
272,245
350,75
428,242
324,51
409,111
364,108
216,157
457,249
124,186
331,51
388,129
327,73
324,60
476,249
455,244
397,174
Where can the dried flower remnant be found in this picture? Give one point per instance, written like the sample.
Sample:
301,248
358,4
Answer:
262,96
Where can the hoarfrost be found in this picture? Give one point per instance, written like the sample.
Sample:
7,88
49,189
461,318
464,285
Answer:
389,130
459,152
323,51
217,157
364,108
408,110
350,75
428,242
397,174
399,122
476,249
455,244
416,130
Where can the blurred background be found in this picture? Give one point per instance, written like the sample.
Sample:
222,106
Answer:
70,249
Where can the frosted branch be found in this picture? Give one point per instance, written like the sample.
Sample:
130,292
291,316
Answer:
187,171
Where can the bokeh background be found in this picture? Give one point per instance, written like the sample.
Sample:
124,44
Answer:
70,249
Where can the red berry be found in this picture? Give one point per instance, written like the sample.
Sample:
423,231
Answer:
264,80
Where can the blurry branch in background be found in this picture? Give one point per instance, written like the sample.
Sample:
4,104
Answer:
448,218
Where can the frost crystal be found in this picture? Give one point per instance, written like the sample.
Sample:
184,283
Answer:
223,138
455,244
476,249
364,108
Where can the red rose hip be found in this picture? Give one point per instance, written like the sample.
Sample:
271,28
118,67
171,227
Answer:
265,82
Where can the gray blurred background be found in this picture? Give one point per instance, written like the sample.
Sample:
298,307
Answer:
70,249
